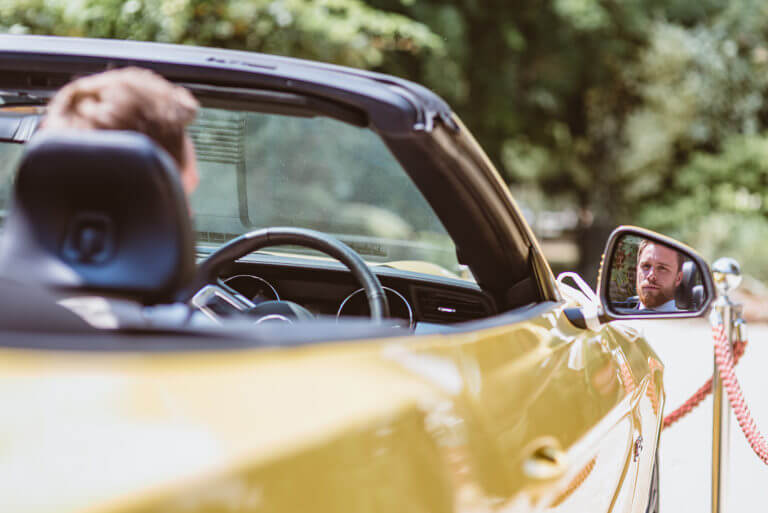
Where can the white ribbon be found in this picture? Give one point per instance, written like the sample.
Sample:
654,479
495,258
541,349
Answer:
584,296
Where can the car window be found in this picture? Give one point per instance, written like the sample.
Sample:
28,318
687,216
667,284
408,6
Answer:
10,153
259,170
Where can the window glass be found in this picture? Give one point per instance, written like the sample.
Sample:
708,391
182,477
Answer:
10,154
259,170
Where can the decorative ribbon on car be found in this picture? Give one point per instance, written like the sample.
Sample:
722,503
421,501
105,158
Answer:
584,296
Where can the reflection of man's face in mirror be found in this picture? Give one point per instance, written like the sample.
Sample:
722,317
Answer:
659,272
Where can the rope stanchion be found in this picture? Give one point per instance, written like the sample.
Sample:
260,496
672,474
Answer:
688,406
725,363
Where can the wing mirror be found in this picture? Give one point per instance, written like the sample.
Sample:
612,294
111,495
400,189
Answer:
645,274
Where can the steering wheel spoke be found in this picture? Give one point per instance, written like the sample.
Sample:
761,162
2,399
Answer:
214,299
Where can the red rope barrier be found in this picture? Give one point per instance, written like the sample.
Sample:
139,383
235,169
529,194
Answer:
725,366
687,407
725,363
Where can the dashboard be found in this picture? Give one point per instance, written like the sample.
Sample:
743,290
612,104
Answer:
421,302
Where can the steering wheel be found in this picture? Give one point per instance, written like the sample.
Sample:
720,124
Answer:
207,281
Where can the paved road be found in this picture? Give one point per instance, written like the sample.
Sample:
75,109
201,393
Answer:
686,447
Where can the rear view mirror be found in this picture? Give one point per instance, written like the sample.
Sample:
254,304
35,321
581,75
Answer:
647,274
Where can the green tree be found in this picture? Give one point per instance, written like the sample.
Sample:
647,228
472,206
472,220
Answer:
543,85
699,135
605,103
340,31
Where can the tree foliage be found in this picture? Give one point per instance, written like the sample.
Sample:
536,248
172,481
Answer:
342,31
643,112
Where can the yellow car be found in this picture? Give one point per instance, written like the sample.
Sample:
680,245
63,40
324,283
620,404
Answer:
357,319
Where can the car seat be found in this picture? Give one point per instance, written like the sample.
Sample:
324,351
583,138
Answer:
98,212
689,295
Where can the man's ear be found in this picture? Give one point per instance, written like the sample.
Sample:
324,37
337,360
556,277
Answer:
679,278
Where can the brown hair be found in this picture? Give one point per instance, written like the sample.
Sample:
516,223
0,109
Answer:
646,242
126,99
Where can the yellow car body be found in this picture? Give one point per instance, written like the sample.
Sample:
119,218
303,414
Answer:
521,417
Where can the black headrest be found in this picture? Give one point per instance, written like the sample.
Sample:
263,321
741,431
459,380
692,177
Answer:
100,212
685,297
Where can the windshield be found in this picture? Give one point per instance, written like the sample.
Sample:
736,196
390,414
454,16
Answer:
259,170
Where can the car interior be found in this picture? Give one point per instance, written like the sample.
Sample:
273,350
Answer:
117,248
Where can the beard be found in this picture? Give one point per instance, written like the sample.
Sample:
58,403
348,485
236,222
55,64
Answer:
653,296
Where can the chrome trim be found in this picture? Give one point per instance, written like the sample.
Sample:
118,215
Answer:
274,291
201,297
407,304
274,317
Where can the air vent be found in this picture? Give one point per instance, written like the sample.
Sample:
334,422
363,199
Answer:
441,306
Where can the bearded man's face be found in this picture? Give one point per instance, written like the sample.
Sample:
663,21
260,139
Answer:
658,275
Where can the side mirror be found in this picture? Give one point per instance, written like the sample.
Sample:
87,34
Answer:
645,274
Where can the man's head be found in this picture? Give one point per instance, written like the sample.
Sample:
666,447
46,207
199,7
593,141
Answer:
131,99
659,272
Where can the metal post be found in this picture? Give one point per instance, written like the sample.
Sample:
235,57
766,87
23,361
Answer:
727,276
721,421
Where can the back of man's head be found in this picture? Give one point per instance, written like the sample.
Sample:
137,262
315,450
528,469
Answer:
127,99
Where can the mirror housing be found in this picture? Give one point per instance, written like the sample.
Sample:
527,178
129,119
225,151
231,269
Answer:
644,274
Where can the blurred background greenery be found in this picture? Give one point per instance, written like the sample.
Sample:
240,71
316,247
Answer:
596,112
